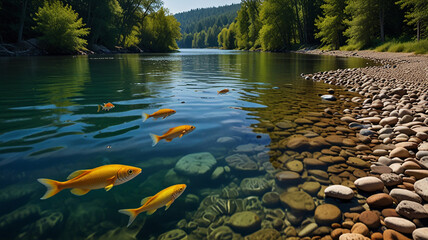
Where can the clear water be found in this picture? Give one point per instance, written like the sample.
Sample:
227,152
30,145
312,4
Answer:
50,127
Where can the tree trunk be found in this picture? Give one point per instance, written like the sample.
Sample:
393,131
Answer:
418,30
22,20
381,22
298,22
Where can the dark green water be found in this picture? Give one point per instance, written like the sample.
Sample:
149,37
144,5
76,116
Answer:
50,127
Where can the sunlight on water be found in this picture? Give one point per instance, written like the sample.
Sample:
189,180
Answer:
50,127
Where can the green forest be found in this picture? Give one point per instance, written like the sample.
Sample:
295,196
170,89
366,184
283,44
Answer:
76,26
72,26
200,27
280,25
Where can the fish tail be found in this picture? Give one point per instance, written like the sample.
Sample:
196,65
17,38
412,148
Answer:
52,187
145,116
218,92
132,213
99,108
155,139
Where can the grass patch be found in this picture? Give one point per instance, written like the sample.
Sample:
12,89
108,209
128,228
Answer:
420,47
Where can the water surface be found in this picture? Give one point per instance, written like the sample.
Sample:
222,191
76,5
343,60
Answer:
50,127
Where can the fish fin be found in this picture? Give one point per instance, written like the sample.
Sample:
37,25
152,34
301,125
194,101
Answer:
165,117
145,116
155,139
181,135
150,212
132,213
77,173
110,182
169,204
108,187
144,200
99,108
168,140
51,185
79,191
218,92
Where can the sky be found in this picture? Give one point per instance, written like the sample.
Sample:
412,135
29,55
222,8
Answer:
176,6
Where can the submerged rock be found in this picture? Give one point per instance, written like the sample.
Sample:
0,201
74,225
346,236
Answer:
241,162
254,186
326,214
298,201
175,234
245,222
196,164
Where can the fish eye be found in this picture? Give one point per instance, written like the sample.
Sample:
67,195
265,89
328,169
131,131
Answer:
130,171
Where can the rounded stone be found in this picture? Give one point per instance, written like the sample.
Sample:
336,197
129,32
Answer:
270,199
421,188
417,173
295,166
339,191
399,152
391,121
379,200
369,184
404,194
370,219
353,236
326,214
262,234
390,234
400,224
298,201
420,234
285,177
360,228
390,179
175,234
241,162
311,187
306,230
196,164
222,232
411,210
245,222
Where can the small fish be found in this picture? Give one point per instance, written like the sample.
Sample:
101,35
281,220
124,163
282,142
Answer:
82,181
150,204
223,91
105,106
161,113
172,133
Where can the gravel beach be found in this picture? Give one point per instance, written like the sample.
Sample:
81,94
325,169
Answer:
392,120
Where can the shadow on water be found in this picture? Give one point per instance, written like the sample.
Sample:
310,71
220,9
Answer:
50,127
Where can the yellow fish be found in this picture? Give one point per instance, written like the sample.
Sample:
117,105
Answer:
223,91
82,181
161,113
172,133
106,106
150,204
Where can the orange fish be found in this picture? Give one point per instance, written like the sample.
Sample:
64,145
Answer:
105,106
82,181
161,113
172,133
223,91
150,204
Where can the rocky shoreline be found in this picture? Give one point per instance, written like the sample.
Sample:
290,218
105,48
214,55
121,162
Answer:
393,133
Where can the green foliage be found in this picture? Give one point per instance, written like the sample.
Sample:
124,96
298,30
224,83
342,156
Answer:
277,31
417,12
209,20
419,47
331,25
363,25
227,37
61,28
159,32
248,24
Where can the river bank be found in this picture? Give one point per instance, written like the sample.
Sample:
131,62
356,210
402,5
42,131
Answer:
392,121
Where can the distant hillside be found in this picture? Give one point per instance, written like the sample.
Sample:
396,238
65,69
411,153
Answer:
201,26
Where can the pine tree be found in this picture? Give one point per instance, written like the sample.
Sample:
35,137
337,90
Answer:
364,22
331,25
417,14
